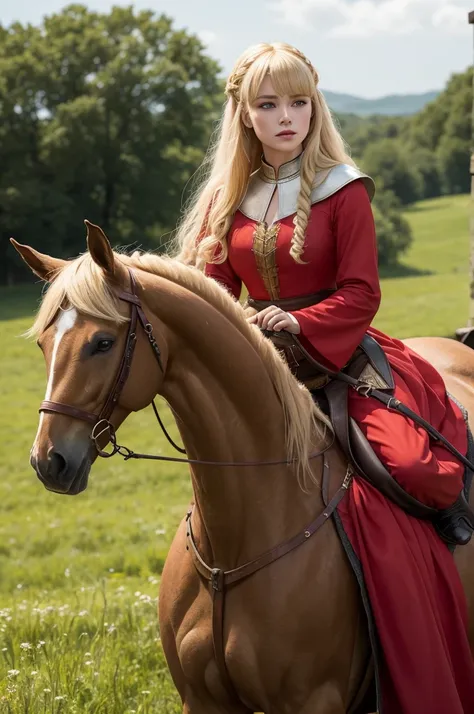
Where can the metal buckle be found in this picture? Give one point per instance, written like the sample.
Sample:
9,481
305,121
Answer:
364,389
348,477
216,579
98,430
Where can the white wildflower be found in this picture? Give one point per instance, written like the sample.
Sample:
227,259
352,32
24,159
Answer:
13,672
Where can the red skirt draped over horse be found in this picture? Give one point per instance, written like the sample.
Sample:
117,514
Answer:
413,584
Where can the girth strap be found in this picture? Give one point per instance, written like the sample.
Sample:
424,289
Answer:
220,580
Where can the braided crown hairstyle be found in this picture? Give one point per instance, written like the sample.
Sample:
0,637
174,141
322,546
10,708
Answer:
235,153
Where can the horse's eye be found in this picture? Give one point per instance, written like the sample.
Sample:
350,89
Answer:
104,345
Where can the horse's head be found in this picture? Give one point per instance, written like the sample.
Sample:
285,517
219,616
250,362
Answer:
82,327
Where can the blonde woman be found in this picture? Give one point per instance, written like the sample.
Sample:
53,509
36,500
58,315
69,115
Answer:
284,210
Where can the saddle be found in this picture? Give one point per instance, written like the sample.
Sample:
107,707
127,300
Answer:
369,372
369,365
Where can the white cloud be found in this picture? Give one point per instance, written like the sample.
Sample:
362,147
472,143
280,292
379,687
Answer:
364,18
207,37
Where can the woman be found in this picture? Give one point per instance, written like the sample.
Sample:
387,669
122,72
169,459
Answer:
285,211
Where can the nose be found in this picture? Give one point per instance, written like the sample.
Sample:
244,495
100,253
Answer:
57,465
52,470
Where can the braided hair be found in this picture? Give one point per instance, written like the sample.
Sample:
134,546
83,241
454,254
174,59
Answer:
236,152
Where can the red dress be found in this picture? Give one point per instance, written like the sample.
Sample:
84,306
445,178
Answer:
428,665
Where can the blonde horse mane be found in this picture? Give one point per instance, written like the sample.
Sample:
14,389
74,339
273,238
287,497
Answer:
81,284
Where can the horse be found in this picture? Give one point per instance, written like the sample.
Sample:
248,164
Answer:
293,636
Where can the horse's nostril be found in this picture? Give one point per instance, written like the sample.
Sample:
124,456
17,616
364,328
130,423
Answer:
57,465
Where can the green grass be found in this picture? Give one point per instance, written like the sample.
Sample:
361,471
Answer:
436,303
79,577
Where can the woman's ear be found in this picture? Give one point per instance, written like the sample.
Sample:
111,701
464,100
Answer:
246,119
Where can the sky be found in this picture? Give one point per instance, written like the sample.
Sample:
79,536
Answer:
368,48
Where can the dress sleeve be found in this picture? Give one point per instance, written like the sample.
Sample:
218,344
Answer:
226,276
335,327
223,273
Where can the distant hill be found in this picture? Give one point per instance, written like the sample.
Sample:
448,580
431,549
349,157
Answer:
391,105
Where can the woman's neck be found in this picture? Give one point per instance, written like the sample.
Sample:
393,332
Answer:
276,159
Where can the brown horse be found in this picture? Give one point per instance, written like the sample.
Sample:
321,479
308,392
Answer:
295,637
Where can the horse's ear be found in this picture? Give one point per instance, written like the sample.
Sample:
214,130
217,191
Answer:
102,253
100,248
44,266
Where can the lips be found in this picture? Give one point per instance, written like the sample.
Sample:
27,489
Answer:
286,133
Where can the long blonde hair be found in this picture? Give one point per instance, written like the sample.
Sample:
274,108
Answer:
235,153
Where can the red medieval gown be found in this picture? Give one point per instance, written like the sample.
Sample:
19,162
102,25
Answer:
415,591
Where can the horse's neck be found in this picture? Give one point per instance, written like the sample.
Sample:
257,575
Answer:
227,409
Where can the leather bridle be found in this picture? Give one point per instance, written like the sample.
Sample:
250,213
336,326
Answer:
101,422
219,580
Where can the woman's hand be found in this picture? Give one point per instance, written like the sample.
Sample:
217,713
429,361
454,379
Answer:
276,319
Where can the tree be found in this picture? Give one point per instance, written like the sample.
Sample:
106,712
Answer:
104,116
394,234
387,161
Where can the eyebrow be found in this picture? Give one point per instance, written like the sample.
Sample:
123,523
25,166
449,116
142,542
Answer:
275,96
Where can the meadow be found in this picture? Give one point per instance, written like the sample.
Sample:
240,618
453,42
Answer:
79,577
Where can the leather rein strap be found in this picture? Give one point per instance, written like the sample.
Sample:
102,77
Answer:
101,424
220,580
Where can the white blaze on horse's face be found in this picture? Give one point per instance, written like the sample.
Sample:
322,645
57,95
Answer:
63,324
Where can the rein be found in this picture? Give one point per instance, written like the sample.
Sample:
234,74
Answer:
218,579
101,424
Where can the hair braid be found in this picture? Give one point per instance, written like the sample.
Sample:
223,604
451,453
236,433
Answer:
234,82
301,219
235,153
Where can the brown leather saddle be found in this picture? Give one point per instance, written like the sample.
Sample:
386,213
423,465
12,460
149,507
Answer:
368,365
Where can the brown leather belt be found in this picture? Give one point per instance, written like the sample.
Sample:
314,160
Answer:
294,303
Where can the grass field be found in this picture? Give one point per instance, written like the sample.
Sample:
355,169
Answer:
79,577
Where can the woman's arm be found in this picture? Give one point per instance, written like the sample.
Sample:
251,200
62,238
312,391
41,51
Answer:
225,275
335,327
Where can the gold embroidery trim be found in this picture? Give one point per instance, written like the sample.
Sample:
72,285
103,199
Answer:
264,249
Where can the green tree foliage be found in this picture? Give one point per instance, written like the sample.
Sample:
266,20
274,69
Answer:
388,161
107,117
394,234
422,156
104,116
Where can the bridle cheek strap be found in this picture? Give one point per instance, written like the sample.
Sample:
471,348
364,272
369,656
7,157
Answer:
136,314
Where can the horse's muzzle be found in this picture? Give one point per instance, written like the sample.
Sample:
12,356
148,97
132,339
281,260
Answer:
62,474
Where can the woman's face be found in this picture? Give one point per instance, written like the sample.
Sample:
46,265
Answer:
280,123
